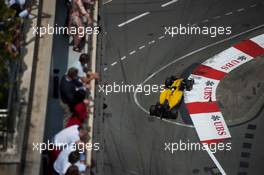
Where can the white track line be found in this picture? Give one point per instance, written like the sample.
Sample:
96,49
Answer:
182,58
204,21
132,52
214,159
152,42
161,37
217,17
107,2
168,3
124,57
141,47
240,10
133,19
253,5
229,13
114,63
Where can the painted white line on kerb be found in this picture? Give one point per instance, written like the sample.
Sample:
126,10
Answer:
168,3
132,52
214,159
152,42
124,57
161,37
141,47
114,63
107,2
240,10
229,13
133,19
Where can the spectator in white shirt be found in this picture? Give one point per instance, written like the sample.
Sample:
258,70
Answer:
82,65
18,5
69,135
68,157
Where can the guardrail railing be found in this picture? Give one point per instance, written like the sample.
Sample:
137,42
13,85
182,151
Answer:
3,128
7,114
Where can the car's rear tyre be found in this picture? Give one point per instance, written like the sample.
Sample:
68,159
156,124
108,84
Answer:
174,113
153,110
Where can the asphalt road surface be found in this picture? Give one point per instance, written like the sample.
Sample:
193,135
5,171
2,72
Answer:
133,45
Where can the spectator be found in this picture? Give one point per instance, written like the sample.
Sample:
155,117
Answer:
91,76
76,13
65,137
67,158
82,65
88,4
70,135
80,112
68,87
72,170
18,6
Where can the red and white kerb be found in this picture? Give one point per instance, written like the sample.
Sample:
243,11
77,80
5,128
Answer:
201,101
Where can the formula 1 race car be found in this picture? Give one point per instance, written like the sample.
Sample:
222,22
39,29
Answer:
171,97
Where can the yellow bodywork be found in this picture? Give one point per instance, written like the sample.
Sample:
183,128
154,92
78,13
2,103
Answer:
173,94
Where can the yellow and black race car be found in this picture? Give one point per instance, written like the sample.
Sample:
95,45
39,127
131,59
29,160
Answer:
171,97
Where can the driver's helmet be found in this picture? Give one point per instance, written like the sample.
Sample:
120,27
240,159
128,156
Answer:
169,81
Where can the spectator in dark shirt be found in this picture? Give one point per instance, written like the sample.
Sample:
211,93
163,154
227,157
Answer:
80,112
68,86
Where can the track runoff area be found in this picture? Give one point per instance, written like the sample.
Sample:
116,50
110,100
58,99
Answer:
201,102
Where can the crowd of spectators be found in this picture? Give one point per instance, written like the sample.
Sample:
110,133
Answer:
75,101
12,17
79,15
65,159
13,13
